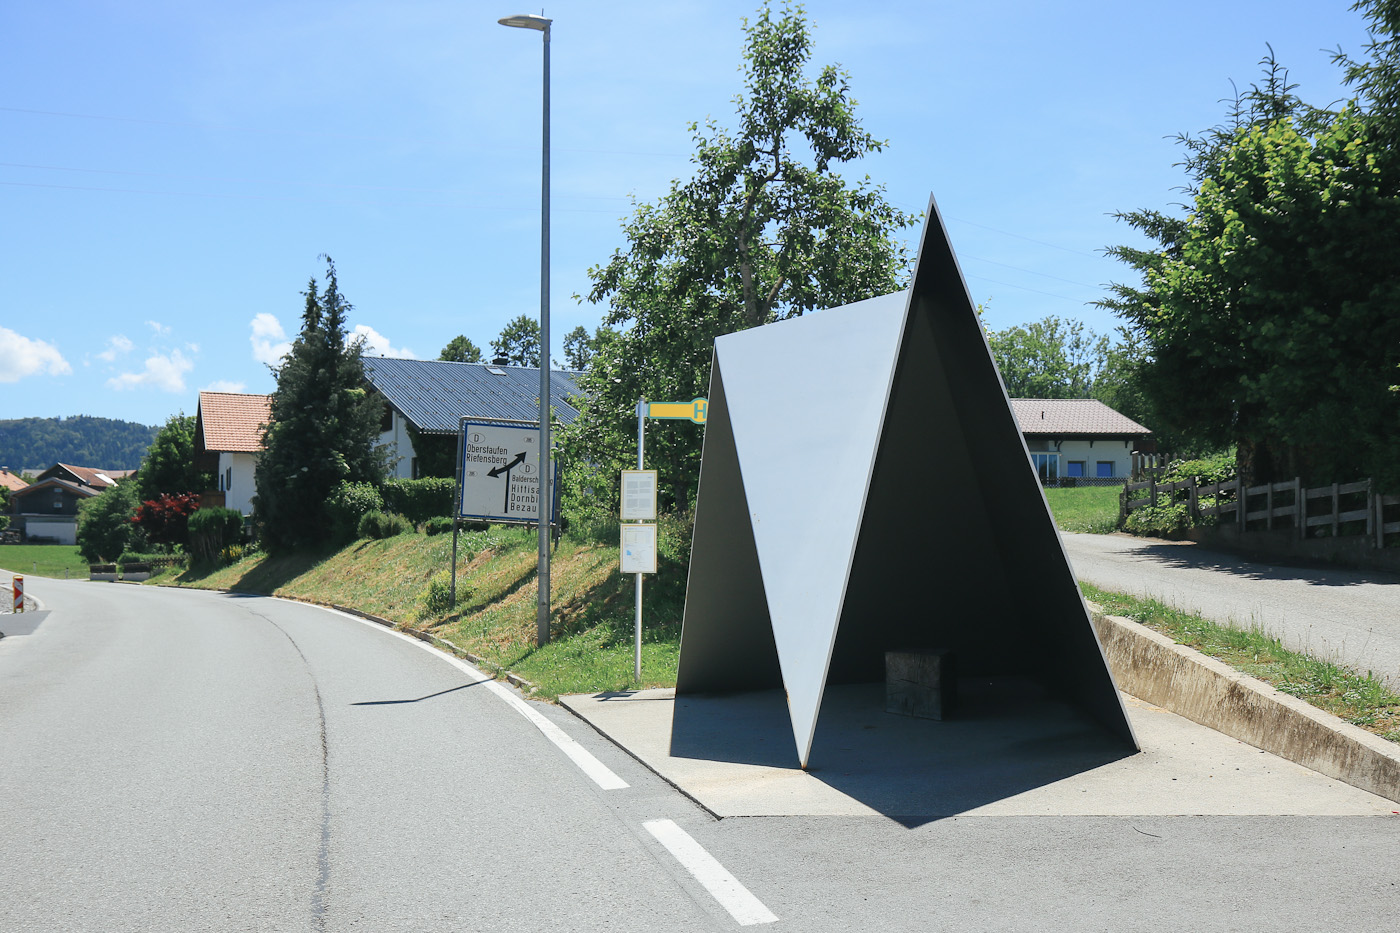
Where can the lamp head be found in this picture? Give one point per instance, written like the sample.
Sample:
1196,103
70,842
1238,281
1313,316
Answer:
527,21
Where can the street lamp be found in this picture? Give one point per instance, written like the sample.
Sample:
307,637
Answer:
531,21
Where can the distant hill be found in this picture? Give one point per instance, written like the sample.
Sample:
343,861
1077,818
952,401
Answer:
82,440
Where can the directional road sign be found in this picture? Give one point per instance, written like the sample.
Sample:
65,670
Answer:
500,469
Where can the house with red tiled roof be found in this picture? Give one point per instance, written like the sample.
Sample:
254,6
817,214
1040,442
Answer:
12,481
228,432
46,510
1078,439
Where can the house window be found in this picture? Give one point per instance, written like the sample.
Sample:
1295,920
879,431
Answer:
58,504
386,423
1105,468
413,468
228,479
1074,468
1048,467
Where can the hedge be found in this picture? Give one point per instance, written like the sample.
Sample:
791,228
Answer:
420,499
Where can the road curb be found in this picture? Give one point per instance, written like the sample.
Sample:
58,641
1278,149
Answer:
1154,668
515,680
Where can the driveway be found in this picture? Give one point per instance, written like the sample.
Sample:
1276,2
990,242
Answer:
1349,616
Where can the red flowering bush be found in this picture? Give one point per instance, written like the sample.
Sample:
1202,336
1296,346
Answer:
165,519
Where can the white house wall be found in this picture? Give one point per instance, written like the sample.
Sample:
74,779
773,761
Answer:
400,447
63,529
236,480
1091,453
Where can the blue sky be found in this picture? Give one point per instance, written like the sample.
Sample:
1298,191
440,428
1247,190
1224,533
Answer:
171,171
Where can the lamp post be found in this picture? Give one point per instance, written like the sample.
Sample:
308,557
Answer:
531,21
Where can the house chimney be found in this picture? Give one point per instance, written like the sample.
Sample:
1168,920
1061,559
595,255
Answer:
500,361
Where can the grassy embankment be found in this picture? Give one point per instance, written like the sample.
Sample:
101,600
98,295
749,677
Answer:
593,604
1359,699
44,560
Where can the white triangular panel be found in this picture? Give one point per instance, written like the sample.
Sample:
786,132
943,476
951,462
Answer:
806,511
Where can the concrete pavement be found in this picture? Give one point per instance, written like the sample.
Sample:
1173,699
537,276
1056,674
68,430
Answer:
1348,616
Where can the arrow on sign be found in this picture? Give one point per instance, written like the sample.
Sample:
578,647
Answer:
506,468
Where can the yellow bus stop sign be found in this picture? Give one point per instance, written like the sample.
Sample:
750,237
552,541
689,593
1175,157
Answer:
693,410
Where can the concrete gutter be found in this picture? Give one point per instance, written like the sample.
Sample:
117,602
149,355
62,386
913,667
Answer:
1152,667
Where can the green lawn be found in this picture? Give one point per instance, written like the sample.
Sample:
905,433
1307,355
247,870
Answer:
44,560
1091,509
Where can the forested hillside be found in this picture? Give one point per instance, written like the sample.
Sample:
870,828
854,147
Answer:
82,440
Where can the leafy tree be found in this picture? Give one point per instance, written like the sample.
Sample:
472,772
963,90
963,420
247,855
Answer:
578,348
1050,358
323,427
519,343
1267,313
105,525
460,350
169,465
764,230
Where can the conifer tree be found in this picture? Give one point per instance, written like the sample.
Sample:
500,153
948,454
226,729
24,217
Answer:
323,427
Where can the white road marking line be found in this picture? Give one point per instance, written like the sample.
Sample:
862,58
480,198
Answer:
746,909
600,773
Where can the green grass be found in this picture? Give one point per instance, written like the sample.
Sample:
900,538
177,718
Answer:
592,603
1359,699
1090,509
44,560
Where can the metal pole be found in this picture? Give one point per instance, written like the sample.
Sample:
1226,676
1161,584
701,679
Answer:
637,626
456,511
542,611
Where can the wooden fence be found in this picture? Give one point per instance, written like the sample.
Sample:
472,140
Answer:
1287,505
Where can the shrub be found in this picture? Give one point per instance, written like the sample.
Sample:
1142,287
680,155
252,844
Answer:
1161,521
156,558
347,505
165,519
232,554
437,526
436,600
420,499
210,530
377,524
105,528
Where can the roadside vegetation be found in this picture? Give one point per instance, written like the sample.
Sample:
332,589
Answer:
405,578
1361,700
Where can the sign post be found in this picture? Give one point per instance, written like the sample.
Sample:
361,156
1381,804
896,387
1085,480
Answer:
498,477
638,543
639,497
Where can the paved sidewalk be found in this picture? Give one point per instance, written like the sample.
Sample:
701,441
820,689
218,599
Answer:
1015,753
1349,616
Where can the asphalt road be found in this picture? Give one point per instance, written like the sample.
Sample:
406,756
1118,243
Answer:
1350,616
175,760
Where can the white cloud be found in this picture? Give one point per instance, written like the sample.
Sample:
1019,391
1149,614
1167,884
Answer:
224,385
162,372
376,344
20,357
160,329
117,346
269,340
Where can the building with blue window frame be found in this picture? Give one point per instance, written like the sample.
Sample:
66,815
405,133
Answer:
1078,439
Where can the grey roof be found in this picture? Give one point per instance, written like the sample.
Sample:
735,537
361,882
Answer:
434,395
1072,416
